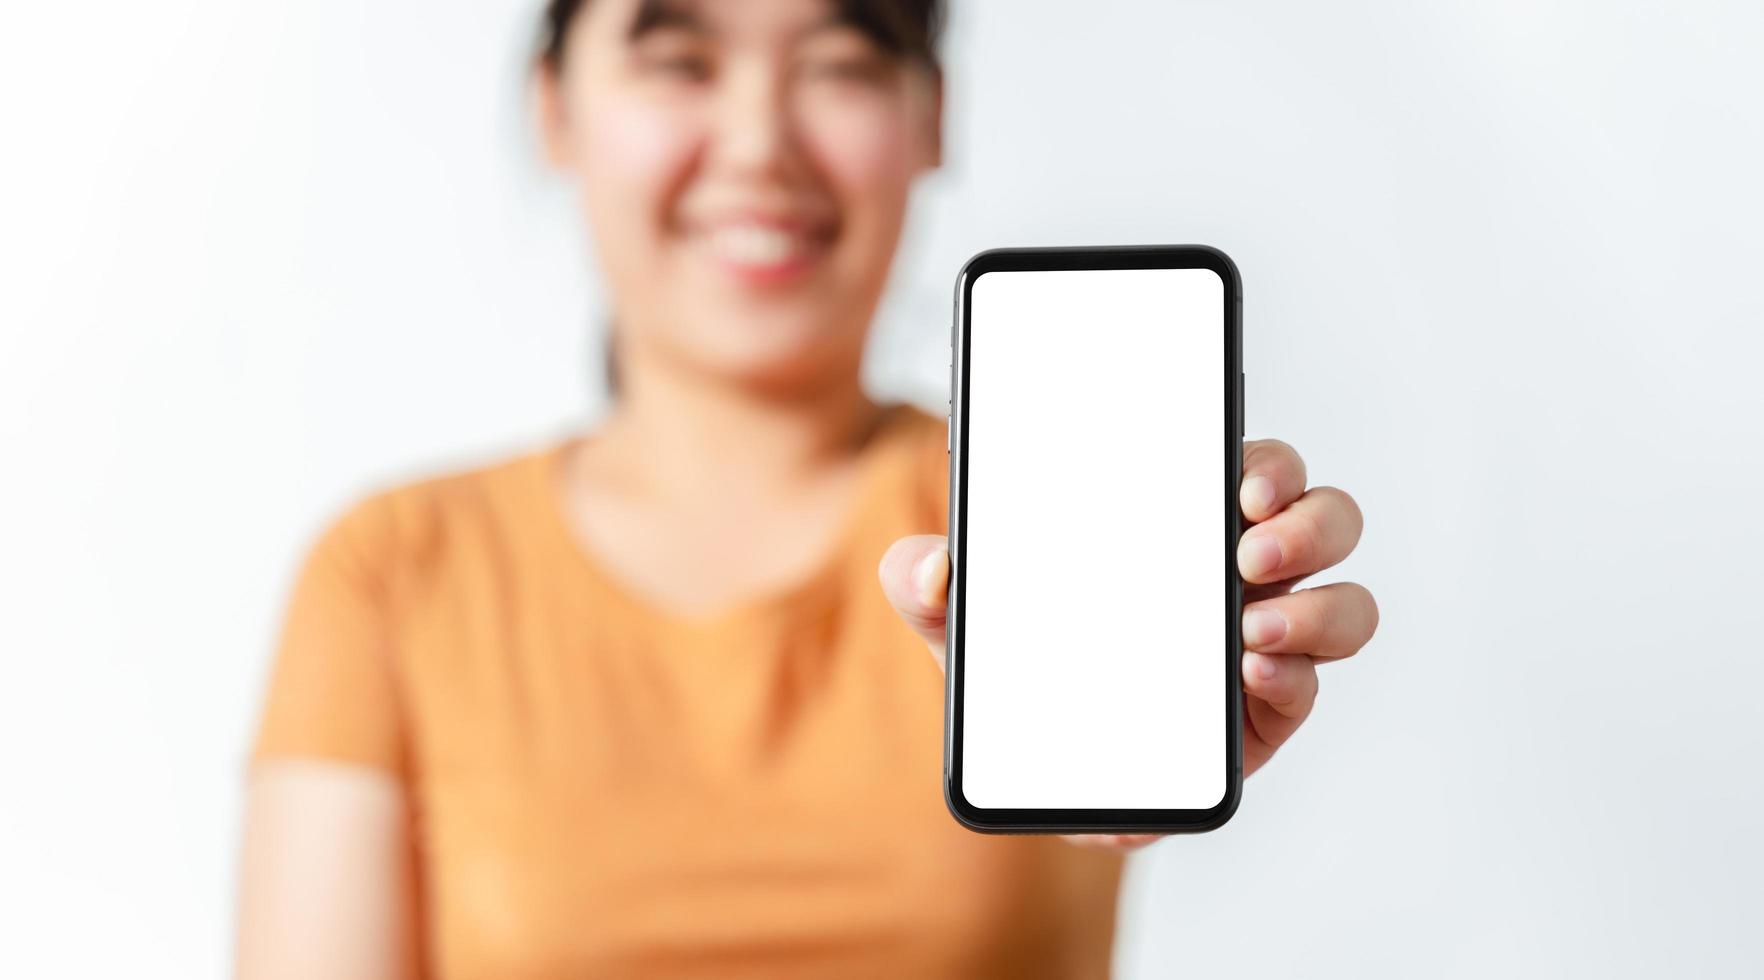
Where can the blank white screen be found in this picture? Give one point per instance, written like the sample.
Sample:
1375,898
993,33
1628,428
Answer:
1094,636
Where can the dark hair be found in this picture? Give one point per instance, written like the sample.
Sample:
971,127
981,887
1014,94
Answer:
906,28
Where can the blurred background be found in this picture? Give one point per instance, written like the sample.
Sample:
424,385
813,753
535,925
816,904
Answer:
1501,263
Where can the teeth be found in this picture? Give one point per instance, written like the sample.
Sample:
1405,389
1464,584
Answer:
753,244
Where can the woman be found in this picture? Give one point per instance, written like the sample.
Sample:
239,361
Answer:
632,704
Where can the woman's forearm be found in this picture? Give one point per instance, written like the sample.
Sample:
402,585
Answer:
326,883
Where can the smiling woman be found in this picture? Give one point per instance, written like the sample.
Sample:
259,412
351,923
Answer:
632,703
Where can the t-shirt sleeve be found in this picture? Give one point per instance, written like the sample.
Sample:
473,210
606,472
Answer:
332,692
934,461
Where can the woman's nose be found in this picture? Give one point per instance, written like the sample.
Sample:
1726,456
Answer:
754,130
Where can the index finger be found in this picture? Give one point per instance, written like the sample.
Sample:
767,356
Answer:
1273,476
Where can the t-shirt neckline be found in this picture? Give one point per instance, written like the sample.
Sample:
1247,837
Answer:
764,610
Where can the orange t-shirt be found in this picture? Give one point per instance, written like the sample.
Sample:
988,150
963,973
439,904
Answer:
602,790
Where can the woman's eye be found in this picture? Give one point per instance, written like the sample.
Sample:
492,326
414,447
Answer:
696,69
866,70
687,67
675,62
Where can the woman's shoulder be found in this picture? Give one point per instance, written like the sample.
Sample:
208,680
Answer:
922,460
338,687
920,428
412,517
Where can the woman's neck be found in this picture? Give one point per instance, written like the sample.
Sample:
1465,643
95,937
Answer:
674,427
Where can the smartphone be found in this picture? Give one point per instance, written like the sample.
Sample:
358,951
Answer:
1096,433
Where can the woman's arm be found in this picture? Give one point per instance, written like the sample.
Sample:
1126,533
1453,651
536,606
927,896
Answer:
327,885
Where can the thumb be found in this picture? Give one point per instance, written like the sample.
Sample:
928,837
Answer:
915,577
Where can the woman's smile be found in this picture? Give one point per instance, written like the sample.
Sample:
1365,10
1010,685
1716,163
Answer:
761,249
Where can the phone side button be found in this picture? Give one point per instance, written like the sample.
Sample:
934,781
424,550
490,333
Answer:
1242,401
948,436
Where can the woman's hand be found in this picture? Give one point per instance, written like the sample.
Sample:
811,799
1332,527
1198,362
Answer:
1293,533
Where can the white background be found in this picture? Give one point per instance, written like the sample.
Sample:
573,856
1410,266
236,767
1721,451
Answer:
1100,510
1502,265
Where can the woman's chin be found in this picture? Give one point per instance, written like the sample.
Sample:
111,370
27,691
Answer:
800,365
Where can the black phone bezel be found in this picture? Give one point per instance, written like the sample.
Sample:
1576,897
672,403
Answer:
1047,821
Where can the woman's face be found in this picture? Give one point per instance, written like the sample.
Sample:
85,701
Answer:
745,167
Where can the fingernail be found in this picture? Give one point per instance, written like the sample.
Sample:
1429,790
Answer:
1257,495
1257,555
1263,627
1260,665
931,577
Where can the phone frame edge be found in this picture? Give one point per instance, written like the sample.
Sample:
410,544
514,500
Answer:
1050,821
